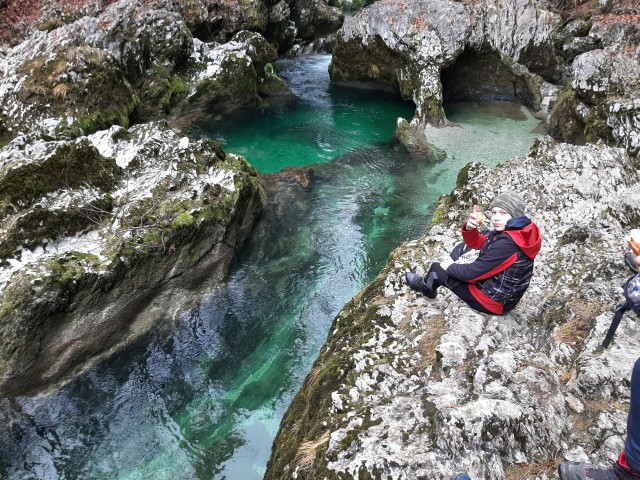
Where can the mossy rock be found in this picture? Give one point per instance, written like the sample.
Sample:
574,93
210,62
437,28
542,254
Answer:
85,81
29,229
160,93
236,84
309,415
596,127
32,299
271,83
71,165
259,49
565,122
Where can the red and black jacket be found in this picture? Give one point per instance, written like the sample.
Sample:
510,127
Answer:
501,274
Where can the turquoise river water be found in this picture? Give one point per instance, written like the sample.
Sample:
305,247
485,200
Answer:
206,402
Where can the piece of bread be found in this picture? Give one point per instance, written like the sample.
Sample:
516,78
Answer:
633,240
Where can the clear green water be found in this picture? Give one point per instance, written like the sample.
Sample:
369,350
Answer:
320,124
206,402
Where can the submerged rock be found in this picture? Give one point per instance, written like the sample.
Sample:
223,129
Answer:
407,387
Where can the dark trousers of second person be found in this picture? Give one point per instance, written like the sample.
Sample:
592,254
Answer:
437,276
632,445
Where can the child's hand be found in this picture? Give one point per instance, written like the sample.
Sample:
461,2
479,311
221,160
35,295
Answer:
476,218
471,223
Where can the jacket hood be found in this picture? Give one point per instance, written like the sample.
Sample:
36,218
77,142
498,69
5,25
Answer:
525,234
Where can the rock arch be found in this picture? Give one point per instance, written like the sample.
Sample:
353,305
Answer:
488,75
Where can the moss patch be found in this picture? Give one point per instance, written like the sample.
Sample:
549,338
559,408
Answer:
309,415
31,228
160,93
237,83
565,122
70,166
28,305
83,80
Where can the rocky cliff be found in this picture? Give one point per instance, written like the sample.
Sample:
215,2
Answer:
406,387
106,210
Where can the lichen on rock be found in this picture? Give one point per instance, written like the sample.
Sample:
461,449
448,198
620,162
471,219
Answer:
408,387
144,207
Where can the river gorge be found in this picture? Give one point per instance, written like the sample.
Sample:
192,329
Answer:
206,402
209,207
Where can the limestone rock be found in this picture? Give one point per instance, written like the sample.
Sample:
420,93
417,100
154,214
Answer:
131,63
99,218
315,18
148,207
601,102
408,387
416,142
388,45
230,74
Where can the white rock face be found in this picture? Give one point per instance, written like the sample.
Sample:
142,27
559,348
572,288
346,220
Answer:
430,35
456,390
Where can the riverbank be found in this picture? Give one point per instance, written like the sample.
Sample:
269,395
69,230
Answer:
407,387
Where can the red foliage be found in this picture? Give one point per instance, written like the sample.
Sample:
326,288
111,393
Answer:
618,18
20,17
17,11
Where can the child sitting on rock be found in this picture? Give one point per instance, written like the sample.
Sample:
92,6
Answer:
500,274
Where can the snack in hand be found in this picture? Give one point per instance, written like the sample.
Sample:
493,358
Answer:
478,216
633,240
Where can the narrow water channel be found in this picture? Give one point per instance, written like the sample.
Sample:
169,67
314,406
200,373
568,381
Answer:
206,402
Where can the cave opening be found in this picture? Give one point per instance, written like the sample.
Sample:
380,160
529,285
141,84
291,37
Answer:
485,76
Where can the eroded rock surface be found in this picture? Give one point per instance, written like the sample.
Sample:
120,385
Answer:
508,47
100,217
518,50
103,225
408,387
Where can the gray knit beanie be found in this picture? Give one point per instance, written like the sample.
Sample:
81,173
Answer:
510,202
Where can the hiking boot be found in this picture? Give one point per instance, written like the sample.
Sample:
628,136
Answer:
584,471
416,282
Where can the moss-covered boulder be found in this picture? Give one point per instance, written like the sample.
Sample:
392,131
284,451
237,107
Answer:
315,18
126,214
599,103
31,182
233,74
281,22
67,92
281,30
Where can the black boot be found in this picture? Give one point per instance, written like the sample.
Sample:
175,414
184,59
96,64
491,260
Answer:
417,283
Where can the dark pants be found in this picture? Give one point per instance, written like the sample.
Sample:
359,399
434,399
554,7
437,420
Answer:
437,276
632,446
